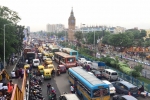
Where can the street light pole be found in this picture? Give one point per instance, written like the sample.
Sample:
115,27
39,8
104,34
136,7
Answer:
94,43
4,42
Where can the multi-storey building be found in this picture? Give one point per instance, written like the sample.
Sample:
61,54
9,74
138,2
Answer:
55,28
114,30
147,33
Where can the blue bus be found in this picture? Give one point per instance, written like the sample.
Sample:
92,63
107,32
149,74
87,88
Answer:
71,52
88,86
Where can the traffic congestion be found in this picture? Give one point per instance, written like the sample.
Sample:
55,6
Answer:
51,61
54,72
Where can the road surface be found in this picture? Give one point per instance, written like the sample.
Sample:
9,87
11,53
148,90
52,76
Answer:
61,84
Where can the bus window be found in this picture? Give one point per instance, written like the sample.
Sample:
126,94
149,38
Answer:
100,92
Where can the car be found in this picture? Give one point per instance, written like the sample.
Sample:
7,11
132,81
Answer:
97,73
44,57
112,89
124,97
126,88
62,68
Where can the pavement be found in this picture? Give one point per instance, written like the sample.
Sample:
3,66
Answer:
61,85
15,80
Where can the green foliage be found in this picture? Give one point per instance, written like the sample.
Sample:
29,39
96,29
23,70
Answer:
135,73
138,68
9,14
13,33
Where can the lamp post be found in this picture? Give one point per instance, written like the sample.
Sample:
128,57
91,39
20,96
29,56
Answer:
94,42
82,27
4,41
65,37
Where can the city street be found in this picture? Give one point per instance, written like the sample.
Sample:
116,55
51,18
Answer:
61,84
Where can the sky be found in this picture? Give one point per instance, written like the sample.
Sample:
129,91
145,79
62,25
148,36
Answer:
38,13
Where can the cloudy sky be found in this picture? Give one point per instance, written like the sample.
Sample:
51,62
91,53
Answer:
38,13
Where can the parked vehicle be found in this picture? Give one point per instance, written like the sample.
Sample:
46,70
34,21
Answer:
97,73
110,74
112,89
124,97
126,88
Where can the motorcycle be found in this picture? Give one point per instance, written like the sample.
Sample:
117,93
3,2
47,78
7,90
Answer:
52,96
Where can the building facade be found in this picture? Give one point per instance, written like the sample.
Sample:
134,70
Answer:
147,33
113,30
55,28
71,26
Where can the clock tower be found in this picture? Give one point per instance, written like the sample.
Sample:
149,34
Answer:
71,26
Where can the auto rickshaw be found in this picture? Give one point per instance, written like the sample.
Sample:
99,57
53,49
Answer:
51,54
27,66
51,66
47,73
41,69
48,61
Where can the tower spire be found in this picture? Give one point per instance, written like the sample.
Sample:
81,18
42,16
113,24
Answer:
72,12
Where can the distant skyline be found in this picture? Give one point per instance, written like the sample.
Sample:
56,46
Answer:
38,13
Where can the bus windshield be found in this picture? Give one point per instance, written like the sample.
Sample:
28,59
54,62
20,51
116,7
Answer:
70,60
74,53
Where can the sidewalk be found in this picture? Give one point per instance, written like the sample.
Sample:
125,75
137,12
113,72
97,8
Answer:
15,81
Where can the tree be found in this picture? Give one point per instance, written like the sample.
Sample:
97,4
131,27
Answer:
8,14
13,33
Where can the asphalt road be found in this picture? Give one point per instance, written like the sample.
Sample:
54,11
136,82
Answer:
61,84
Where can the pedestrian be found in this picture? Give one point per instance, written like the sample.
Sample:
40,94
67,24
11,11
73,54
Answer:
3,77
48,88
20,72
26,61
72,88
42,77
53,90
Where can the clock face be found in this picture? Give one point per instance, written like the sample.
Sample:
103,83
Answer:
72,21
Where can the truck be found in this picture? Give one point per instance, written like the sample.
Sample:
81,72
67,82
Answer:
95,65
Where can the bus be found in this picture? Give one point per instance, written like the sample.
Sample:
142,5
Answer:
65,59
30,57
71,52
88,86
53,48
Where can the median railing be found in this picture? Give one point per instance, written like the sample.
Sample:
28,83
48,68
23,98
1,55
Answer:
125,77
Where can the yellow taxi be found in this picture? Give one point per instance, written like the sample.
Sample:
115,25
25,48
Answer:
48,61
